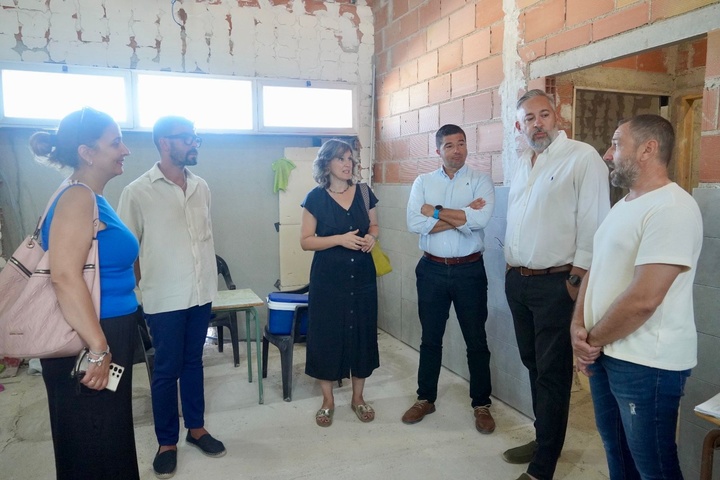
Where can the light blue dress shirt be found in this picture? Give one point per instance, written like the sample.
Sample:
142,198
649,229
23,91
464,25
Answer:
437,188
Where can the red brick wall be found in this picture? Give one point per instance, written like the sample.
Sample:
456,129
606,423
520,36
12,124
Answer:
710,139
440,61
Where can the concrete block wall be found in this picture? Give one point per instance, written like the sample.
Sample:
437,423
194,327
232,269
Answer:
705,380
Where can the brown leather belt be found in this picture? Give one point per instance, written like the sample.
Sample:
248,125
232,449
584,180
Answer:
473,257
531,272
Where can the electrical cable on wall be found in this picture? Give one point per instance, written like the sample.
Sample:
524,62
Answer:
172,12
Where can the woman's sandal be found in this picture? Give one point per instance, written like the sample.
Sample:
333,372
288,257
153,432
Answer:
324,417
364,412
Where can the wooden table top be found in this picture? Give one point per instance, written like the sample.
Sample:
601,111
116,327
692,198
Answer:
236,299
709,418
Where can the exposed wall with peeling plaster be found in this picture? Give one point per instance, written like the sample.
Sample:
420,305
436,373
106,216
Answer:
293,39
312,40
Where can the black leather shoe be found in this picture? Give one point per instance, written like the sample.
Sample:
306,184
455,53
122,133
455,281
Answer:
165,463
207,445
521,454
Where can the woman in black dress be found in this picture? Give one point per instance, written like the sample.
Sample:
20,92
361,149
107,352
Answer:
342,330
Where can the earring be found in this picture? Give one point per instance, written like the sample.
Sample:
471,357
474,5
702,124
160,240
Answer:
90,163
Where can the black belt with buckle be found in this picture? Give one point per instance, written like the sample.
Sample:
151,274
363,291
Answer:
531,272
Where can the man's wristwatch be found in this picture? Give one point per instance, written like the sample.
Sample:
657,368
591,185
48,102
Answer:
436,213
574,280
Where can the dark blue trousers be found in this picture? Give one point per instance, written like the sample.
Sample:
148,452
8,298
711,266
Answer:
178,338
542,311
465,287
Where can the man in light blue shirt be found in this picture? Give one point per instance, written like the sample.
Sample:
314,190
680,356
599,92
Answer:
449,208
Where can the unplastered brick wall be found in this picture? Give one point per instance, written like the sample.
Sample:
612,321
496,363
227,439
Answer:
710,136
438,62
465,61
313,40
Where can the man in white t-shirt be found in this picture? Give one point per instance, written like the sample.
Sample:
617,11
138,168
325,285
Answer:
633,330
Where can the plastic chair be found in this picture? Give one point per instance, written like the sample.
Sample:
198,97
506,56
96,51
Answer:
144,351
229,319
286,344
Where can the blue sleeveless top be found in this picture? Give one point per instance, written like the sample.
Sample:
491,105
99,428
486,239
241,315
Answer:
117,251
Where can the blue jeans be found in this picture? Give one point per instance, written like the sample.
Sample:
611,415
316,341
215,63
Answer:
178,338
636,411
465,287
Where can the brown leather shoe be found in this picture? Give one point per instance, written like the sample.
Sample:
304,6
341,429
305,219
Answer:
418,411
484,422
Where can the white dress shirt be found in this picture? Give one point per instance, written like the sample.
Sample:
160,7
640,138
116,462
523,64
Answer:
178,269
437,188
555,207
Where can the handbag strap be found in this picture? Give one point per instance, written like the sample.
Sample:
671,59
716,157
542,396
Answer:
366,197
67,183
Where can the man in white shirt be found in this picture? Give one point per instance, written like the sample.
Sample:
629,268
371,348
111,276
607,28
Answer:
558,197
168,210
449,208
633,331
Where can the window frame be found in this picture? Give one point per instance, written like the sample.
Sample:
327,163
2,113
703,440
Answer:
353,130
131,99
63,69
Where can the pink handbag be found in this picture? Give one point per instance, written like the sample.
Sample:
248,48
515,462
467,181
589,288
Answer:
31,322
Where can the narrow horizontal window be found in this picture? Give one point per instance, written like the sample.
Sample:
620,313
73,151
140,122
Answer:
212,103
41,97
307,107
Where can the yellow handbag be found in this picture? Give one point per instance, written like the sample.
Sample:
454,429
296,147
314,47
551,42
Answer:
380,258
382,261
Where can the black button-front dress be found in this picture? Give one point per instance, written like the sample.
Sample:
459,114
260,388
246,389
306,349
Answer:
342,303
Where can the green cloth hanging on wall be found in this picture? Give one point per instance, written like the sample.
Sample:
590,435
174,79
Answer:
282,168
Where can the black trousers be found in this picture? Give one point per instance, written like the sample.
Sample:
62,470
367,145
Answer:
465,287
92,431
542,311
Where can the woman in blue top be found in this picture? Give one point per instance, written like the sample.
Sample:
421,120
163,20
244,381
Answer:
92,428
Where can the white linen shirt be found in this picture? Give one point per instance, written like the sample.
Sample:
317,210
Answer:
662,226
437,188
555,207
178,269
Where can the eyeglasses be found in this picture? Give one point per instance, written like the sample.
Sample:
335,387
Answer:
187,138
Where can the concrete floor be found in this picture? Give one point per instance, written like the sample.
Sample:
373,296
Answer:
279,440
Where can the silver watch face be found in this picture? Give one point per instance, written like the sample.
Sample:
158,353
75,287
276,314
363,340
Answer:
574,280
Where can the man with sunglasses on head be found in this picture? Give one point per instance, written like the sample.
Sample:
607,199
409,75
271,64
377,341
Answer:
168,210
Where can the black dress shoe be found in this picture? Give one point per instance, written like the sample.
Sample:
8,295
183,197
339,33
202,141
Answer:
165,463
207,445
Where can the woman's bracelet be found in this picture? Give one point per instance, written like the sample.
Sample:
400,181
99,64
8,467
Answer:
372,236
97,354
100,356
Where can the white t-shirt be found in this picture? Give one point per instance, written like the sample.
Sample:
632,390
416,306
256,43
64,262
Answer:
663,226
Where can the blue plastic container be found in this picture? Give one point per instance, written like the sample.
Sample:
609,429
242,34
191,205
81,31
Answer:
281,308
